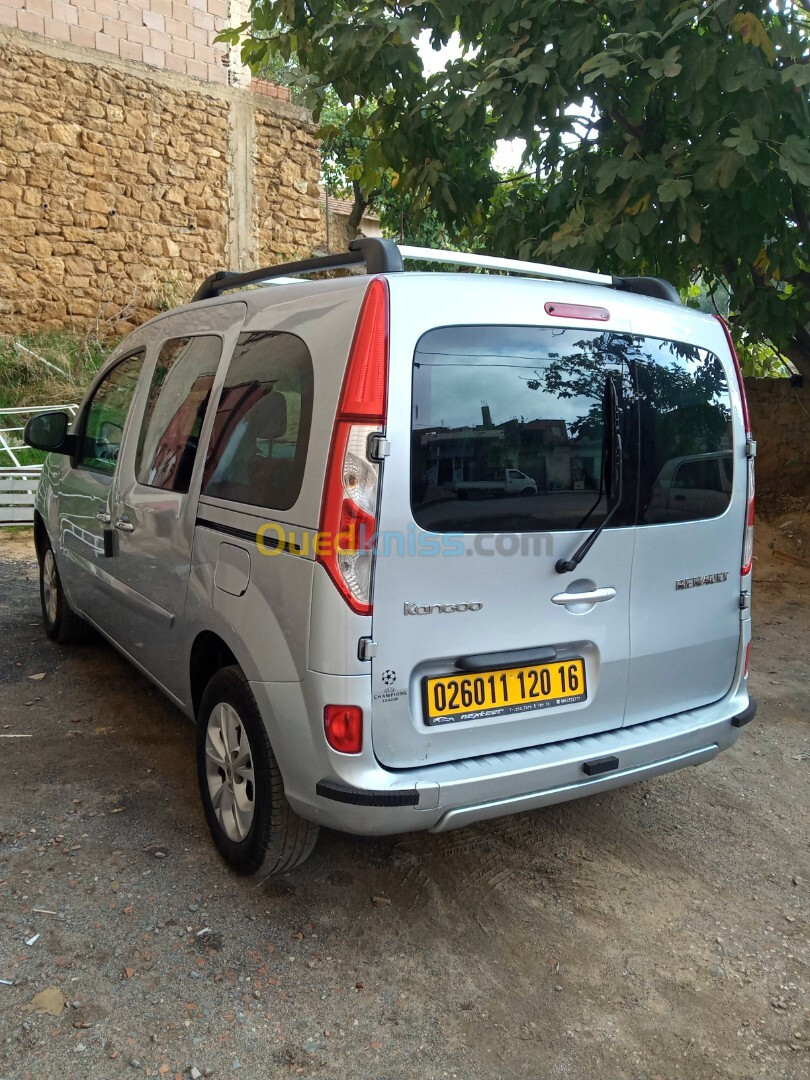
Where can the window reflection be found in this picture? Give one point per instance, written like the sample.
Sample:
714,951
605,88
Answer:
508,427
261,428
175,410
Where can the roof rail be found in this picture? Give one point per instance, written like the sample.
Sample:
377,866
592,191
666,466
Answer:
511,266
379,256
385,257
645,286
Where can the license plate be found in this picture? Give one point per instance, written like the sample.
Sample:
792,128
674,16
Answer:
449,699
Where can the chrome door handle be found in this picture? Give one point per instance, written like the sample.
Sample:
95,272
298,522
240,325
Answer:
124,524
103,517
596,596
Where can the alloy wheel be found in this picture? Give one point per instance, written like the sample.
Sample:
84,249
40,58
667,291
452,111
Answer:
49,586
229,771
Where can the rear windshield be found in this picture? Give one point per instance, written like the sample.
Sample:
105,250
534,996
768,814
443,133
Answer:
509,428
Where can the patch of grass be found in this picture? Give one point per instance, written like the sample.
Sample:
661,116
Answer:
45,369
48,369
25,457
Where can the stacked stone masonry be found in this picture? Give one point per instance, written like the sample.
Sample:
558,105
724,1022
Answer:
117,187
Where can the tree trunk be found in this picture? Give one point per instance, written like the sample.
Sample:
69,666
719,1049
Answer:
359,208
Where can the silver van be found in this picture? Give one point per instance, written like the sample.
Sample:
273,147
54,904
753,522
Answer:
262,505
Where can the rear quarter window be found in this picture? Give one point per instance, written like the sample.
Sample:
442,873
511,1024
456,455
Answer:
261,428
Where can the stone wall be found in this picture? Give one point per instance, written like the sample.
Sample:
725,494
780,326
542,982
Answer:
287,173
122,188
780,421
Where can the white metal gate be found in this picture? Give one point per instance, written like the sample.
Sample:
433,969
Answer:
18,482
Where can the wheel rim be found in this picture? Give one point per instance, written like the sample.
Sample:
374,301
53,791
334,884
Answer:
229,771
49,581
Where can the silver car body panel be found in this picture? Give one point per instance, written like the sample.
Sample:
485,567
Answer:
664,666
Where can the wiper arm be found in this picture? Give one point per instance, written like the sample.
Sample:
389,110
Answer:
612,468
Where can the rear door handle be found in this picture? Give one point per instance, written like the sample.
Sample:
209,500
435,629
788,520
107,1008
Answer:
123,524
596,596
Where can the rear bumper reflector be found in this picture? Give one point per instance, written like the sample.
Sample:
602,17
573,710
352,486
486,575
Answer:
746,716
328,790
601,765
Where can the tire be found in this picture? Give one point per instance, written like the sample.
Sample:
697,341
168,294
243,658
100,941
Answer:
528,491
62,624
251,822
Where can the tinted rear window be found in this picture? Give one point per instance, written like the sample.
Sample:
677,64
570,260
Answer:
175,410
261,429
508,429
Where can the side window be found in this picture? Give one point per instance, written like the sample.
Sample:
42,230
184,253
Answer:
107,413
687,463
175,410
261,428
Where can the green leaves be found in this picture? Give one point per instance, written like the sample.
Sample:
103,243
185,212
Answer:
661,137
742,140
624,240
604,65
667,67
671,189
798,74
794,158
606,173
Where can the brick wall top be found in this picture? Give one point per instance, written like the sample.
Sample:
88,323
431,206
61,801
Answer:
177,35
270,90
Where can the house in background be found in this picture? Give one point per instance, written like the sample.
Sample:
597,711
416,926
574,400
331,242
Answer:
335,213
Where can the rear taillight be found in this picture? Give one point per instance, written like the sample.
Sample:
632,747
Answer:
349,507
748,537
738,370
343,725
747,659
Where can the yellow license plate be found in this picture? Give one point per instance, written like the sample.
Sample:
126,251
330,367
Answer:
453,698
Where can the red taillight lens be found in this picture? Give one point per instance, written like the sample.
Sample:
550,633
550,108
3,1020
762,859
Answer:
343,725
577,311
747,658
748,539
356,533
364,388
738,369
349,507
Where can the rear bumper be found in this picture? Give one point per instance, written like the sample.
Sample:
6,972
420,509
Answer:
376,801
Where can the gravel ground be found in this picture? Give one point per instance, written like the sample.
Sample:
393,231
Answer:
656,932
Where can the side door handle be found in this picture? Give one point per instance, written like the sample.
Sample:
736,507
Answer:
103,517
596,596
123,524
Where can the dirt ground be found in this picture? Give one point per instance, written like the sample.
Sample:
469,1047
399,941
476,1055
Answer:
660,931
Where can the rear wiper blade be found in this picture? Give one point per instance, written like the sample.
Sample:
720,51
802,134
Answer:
612,477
